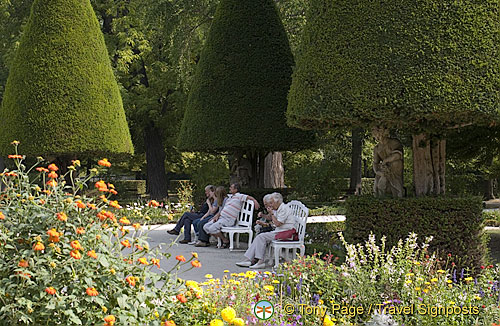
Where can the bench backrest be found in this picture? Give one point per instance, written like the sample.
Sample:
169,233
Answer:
301,212
245,218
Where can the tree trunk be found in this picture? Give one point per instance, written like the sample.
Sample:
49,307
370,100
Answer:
247,168
489,183
156,178
357,148
428,165
274,174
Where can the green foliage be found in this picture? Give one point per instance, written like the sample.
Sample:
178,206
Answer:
238,96
61,96
64,258
422,66
455,223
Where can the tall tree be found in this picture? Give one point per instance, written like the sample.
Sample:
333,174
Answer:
154,45
425,67
237,100
61,97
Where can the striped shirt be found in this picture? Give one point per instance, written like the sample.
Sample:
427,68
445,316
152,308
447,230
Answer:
233,205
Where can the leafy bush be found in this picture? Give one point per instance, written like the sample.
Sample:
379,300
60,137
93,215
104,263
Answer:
70,259
455,223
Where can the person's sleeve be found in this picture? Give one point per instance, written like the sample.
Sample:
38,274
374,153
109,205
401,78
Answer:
284,214
243,197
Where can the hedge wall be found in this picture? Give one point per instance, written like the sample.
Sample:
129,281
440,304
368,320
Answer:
61,96
455,223
239,93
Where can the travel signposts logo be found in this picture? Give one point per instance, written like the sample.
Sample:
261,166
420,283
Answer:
263,310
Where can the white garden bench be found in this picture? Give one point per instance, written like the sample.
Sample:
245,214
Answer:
301,212
243,225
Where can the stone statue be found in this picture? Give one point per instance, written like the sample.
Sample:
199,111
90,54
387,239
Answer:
241,170
387,164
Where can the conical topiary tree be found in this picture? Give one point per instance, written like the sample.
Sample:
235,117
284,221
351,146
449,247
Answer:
238,98
425,67
61,97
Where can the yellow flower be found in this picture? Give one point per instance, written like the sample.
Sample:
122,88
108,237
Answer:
320,302
468,278
238,322
327,321
410,274
269,288
226,271
228,314
441,271
276,281
420,279
209,276
417,288
451,303
434,280
408,281
477,297
216,322
449,281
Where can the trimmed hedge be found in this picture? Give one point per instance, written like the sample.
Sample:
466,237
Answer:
456,224
418,65
61,96
239,93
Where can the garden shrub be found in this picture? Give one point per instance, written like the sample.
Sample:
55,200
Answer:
67,259
61,97
455,223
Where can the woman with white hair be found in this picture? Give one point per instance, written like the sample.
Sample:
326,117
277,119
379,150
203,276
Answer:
264,223
282,219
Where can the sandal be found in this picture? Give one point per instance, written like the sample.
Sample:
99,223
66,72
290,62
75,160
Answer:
224,245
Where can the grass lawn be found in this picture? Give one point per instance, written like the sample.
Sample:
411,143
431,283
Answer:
494,245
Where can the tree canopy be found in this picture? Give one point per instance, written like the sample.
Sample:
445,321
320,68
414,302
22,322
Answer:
423,66
238,97
61,96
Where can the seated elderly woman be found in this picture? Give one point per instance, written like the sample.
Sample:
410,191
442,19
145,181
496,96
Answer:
264,223
282,219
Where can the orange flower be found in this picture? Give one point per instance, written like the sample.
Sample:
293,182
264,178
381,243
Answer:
112,191
41,169
181,298
15,156
23,263
62,216
110,320
92,254
104,162
38,246
53,235
91,206
53,167
124,221
195,255
126,243
75,254
196,263
2,216
143,261
52,183
180,258
103,198
92,292
80,204
136,226
153,203
139,247
155,262
80,230
115,204
52,175
169,323
50,290
75,244
101,186
130,280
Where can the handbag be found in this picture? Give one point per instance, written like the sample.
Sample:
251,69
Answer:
288,235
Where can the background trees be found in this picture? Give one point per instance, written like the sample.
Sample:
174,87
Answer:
61,97
238,96
425,69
